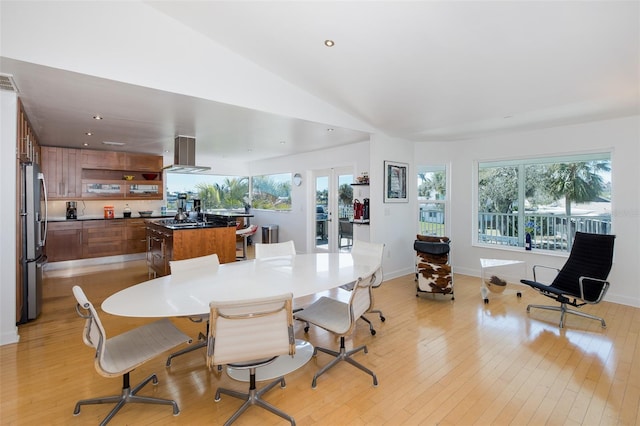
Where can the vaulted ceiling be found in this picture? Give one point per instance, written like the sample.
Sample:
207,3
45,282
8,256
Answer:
416,70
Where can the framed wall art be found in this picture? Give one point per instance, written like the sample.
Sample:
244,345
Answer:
395,182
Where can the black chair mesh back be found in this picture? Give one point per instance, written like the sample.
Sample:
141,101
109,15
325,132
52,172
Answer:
591,256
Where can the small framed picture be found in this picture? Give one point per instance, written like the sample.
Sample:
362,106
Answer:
395,182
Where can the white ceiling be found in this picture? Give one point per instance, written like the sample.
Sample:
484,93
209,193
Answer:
418,70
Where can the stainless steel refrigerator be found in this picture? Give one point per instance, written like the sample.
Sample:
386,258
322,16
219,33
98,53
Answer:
34,237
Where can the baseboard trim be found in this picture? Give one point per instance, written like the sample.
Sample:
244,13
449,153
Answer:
69,268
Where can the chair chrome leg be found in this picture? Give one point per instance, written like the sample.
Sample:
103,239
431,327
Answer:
586,315
127,395
371,329
254,397
343,355
379,312
191,348
564,310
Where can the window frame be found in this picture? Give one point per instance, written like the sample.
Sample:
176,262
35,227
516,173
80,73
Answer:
520,163
445,202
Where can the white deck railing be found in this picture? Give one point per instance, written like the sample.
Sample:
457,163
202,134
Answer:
550,231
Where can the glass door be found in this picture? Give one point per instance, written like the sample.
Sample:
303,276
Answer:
333,210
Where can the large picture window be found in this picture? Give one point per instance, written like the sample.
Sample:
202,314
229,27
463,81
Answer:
271,192
215,192
548,198
432,200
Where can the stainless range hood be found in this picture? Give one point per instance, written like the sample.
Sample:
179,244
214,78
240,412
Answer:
185,157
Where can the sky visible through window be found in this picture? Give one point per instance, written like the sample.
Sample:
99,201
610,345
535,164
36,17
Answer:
184,182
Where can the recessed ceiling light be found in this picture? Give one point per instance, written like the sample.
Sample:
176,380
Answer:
112,143
85,144
330,129
329,43
88,133
97,117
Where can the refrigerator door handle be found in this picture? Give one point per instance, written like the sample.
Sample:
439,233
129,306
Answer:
46,209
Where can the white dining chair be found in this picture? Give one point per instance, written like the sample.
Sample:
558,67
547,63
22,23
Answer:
121,354
264,251
245,234
340,318
183,270
373,252
249,334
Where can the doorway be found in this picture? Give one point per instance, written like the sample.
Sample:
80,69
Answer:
333,211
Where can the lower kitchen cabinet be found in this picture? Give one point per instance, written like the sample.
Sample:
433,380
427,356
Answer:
159,249
103,238
135,236
64,241
87,239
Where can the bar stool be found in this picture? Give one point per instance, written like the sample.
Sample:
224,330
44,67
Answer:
245,233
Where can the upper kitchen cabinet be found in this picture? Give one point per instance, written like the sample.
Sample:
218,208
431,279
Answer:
28,147
88,174
142,162
105,160
62,171
103,175
121,161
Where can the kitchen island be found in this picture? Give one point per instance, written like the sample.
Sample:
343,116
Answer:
167,241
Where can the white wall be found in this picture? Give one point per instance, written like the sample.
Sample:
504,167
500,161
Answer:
393,224
8,257
620,136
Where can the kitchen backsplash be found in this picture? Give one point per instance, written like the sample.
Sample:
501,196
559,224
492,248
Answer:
95,209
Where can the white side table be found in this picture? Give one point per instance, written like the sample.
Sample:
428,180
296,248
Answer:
497,273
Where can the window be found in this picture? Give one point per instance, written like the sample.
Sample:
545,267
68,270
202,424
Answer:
271,192
213,191
432,200
548,198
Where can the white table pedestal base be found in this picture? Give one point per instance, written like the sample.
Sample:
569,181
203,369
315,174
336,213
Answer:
281,366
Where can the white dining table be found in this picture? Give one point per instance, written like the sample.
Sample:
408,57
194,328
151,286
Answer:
190,293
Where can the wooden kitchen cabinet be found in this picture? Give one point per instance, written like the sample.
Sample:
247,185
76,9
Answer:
64,241
142,162
28,147
103,189
159,250
74,240
135,236
61,169
189,243
102,238
76,174
107,183
165,245
108,160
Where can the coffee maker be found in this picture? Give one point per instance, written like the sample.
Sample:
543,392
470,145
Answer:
72,210
181,216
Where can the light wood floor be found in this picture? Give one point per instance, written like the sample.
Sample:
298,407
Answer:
437,361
